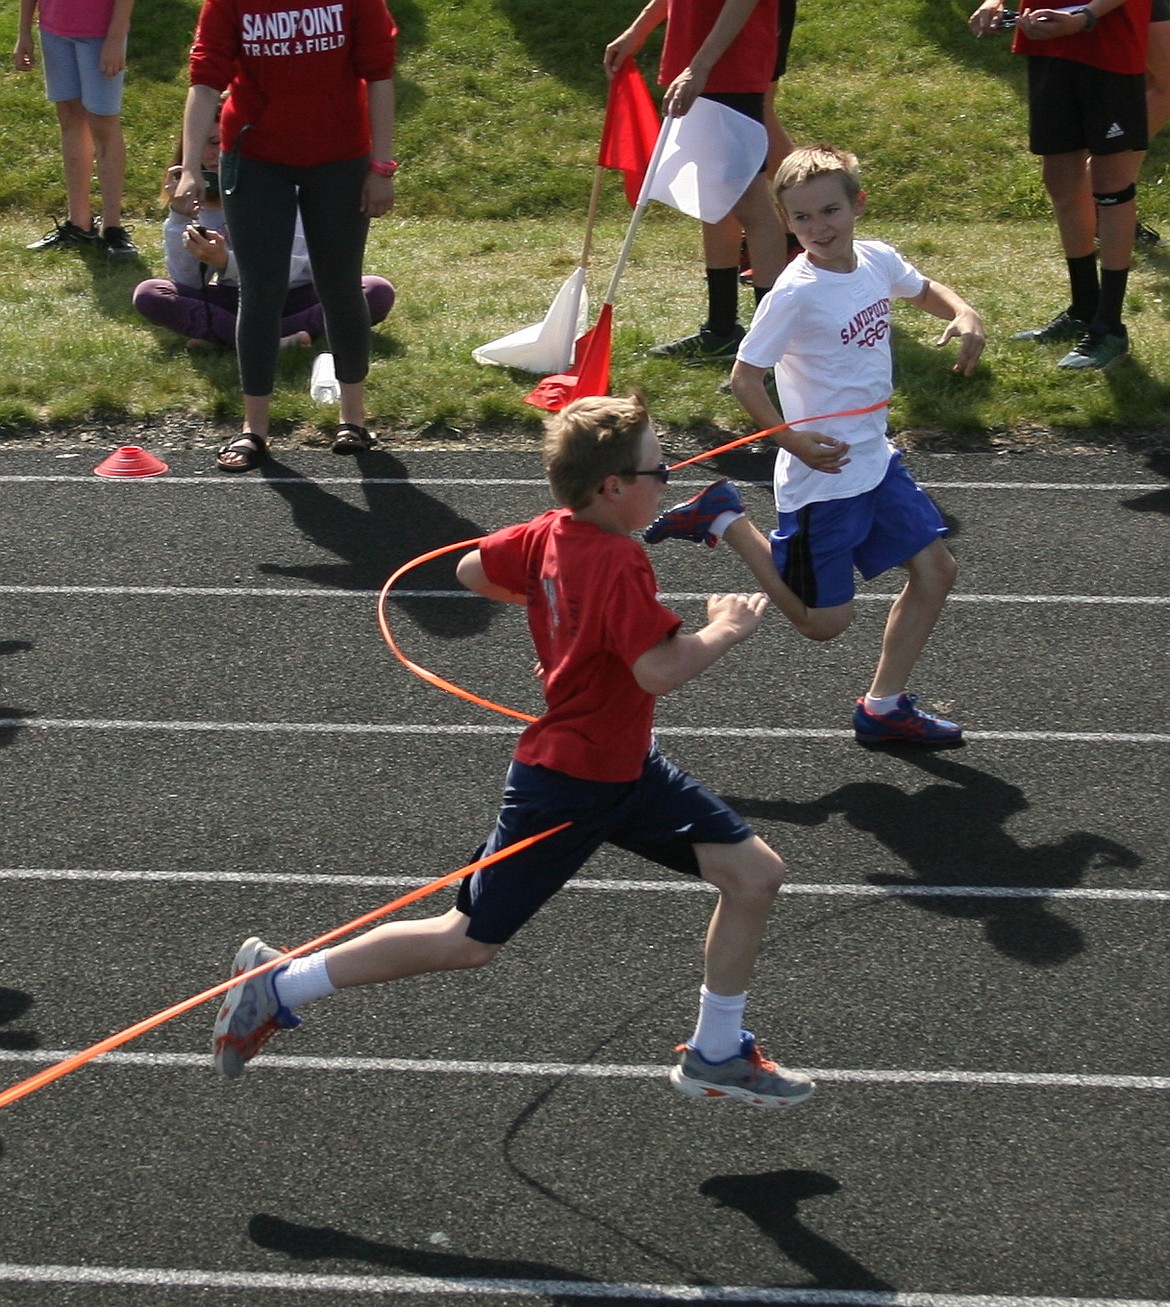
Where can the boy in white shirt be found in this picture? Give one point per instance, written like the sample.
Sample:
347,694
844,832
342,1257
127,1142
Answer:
843,498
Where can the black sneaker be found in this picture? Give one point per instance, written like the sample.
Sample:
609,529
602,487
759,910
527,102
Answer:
1146,236
1063,327
703,347
64,235
118,243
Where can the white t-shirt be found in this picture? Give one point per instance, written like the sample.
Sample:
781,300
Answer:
828,336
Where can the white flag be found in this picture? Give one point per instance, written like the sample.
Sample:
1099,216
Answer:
711,154
546,346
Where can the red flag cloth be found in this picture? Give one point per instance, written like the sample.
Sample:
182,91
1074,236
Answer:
631,129
590,376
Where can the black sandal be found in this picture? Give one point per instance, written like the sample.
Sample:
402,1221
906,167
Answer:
248,450
352,439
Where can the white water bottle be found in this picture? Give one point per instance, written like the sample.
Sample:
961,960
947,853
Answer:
323,384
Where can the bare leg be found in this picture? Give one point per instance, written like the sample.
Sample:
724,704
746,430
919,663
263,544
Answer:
407,948
77,151
745,539
748,877
353,408
913,617
110,154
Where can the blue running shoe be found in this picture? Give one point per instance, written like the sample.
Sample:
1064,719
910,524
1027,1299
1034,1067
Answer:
251,1013
906,724
692,520
748,1076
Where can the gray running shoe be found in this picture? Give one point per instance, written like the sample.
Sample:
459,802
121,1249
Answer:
251,1012
703,347
1096,349
748,1076
1063,327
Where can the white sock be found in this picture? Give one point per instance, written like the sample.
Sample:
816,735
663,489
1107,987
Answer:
303,981
882,705
723,521
719,1032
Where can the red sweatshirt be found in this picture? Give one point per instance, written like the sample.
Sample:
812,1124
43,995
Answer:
297,75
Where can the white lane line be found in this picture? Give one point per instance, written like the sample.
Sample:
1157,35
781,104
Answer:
427,728
406,595
280,879
489,1287
593,1071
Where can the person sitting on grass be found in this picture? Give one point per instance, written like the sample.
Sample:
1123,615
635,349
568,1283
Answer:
843,498
608,649
199,297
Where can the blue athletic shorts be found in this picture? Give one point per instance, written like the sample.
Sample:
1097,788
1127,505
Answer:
816,548
661,816
73,71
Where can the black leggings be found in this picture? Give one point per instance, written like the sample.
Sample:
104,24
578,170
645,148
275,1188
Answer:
261,215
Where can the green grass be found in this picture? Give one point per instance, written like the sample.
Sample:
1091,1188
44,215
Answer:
501,103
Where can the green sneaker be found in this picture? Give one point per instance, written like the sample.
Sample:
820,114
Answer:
1063,327
1096,349
703,347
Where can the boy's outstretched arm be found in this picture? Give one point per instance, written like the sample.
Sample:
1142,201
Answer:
469,572
965,324
816,450
681,657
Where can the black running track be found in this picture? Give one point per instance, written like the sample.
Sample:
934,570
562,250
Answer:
203,736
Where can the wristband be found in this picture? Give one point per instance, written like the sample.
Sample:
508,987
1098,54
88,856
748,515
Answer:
1088,15
384,167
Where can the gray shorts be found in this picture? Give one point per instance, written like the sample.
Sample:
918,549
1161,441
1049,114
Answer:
73,71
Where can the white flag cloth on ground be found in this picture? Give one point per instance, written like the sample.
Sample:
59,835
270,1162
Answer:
546,346
711,154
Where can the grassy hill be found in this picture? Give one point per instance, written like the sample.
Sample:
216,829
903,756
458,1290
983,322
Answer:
501,104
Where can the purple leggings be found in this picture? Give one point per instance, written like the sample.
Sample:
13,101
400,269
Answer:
210,315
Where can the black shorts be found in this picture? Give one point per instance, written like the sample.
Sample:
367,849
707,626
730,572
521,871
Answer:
661,816
788,22
1072,107
1160,11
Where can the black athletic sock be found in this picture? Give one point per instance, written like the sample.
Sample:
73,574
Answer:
760,292
722,300
1108,315
1082,278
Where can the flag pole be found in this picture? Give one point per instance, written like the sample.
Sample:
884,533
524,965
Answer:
639,208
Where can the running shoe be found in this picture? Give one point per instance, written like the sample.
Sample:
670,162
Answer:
118,244
1146,236
1063,327
692,520
703,347
64,235
251,1012
748,1076
1095,349
906,724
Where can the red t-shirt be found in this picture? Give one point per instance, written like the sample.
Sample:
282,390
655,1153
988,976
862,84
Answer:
297,74
1116,45
593,611
748,62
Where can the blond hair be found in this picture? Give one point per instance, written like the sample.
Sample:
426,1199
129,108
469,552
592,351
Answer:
811,161
591,439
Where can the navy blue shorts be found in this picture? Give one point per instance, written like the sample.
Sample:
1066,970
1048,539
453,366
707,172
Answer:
661,816
816,548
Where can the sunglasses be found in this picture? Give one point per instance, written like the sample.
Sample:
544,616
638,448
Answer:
662,472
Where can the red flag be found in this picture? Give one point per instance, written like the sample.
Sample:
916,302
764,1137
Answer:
590,375
631,129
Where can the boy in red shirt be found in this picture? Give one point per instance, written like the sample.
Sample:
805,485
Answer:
607,648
